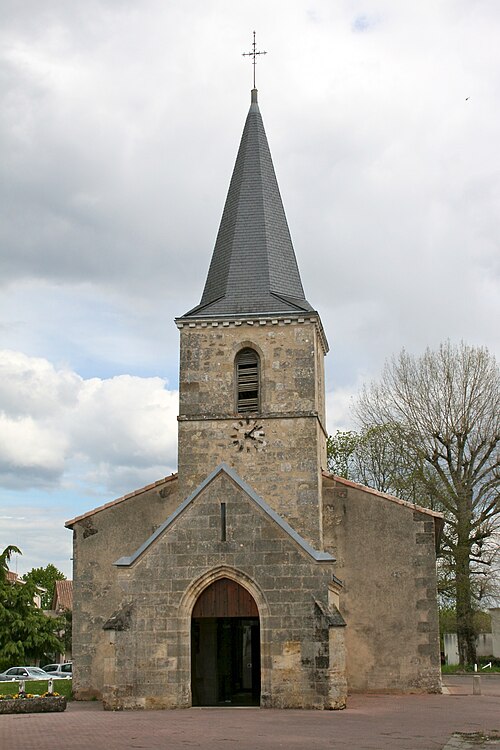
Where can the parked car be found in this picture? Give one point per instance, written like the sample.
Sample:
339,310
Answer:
60,671
24,673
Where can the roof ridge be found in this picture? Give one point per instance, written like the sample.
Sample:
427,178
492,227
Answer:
383,495
121,499
290,301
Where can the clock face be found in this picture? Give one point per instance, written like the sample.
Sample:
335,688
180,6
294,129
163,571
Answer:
247,434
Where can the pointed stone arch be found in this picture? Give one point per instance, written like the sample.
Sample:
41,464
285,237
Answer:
191,596
222,571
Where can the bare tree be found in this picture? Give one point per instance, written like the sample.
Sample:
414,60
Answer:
444,407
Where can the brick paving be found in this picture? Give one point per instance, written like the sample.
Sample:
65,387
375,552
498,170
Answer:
372,722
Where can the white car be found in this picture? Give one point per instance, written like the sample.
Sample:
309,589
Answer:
24,673
60,671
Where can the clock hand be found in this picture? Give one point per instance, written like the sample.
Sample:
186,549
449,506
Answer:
249,433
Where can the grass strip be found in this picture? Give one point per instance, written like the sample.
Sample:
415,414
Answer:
38,687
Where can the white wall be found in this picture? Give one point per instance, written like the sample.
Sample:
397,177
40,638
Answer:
495,631
484,644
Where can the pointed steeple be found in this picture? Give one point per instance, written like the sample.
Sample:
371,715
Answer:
253,268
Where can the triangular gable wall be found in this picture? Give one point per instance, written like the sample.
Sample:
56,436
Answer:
317,556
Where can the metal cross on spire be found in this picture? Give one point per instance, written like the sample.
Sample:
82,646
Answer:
253,54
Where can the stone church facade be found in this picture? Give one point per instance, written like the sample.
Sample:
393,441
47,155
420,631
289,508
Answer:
252,576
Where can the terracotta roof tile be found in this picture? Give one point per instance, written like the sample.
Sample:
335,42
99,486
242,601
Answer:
63,595
13,577
119,500
384,495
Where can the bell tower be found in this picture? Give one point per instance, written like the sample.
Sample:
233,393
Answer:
251,386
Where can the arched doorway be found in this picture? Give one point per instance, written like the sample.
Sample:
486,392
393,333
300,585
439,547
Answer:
225,646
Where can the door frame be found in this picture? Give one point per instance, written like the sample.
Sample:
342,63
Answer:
186,607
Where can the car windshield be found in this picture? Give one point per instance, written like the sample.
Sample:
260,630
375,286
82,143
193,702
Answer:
34,670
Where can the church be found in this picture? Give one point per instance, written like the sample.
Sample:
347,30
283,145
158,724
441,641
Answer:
253,576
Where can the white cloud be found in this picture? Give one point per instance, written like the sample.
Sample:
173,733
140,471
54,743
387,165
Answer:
56,426
32,387
339,405
68,444
27,445
383,121
40,535
125,420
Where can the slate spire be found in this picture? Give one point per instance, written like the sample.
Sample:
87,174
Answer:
253,268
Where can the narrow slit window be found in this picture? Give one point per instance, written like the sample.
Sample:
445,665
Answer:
247,381
223,522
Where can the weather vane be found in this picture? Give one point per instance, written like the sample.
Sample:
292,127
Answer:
253,54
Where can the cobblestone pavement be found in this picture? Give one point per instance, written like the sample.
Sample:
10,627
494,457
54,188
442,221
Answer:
458,720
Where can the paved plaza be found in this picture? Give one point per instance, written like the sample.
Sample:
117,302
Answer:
457,720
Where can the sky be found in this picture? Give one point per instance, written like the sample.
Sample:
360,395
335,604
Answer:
119,127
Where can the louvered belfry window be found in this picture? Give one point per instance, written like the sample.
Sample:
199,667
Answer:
247,381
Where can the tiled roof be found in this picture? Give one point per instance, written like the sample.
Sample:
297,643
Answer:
253,268
63,595
159,483
384,495
438,518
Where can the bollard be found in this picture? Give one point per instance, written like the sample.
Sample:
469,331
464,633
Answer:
476,684
50,685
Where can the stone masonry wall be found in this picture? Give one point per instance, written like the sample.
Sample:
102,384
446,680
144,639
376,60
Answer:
386,560
285,472
98,541
288,354
152,667
287,469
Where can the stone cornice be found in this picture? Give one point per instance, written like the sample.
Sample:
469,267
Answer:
235,321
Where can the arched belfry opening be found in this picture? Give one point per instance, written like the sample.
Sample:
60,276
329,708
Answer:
225,646
247,365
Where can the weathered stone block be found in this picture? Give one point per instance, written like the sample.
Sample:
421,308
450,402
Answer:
37,705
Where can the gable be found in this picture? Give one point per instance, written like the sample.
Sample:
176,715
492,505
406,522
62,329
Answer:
342,487
236,490
159,487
